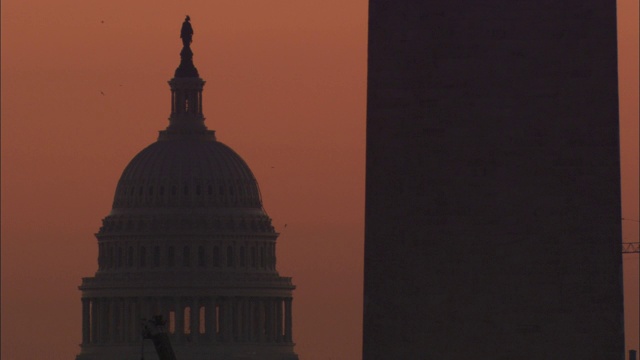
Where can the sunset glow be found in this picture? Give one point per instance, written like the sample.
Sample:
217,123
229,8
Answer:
84,89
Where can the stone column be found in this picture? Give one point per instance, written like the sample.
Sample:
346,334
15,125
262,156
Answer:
279,324
227,334
94,320
261,320
268,319
119,319
195,319
113,320
101,320
165,310
274,320
288,320
234,320
86,316
246,317
128,319
104,320
135,319
179,321
213,334
251,319
209,324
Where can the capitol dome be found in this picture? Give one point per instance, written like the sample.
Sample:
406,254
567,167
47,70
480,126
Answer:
187,173
188,240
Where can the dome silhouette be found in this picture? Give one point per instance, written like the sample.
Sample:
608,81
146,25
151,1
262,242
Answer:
188,241
187,173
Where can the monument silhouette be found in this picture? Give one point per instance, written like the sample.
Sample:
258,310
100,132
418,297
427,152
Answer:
492,226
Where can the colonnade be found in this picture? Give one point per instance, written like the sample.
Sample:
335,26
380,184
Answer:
189,319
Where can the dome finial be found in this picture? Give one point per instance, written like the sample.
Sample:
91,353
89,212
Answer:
186,68
186,33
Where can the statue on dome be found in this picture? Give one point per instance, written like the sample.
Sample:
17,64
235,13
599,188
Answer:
186,33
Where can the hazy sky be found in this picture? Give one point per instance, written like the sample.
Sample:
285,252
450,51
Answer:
84,88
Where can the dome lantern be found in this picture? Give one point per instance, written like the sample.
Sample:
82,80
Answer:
186,94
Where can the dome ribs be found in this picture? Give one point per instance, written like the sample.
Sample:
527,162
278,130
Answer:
181,173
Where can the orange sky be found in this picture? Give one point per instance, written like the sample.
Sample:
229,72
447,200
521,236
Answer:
286,86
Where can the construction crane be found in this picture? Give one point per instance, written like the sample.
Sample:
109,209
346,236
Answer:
631,248
154,330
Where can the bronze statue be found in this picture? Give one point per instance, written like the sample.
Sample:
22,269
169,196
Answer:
186,33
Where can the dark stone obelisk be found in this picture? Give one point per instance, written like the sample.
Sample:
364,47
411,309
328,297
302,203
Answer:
493,181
